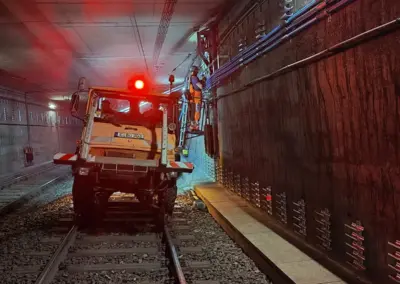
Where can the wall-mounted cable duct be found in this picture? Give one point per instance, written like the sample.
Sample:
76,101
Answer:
271,37
339,47
246,12
166,17
302,19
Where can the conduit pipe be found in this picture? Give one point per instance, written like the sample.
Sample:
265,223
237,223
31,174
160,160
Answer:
238,21
340,47
278,35
284,37
253,48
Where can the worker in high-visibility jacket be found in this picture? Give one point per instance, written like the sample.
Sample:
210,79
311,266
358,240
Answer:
195,89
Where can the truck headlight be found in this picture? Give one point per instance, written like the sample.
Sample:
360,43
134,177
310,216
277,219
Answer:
173,174
83,171
172,126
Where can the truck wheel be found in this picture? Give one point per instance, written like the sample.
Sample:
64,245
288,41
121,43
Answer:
83,200
144,198
170,197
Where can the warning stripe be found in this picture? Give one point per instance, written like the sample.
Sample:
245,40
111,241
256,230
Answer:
65,157
173,165
189,165
180,165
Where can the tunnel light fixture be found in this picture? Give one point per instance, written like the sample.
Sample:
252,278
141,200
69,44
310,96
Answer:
52,106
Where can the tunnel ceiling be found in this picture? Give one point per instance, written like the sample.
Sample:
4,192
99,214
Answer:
45,46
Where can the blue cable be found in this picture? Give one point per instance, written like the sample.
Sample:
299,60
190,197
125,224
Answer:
253,51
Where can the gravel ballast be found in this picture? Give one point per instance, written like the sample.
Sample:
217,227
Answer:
22,232
229,264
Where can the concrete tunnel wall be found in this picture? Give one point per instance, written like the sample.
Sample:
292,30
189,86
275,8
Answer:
203,166
49,131
328,132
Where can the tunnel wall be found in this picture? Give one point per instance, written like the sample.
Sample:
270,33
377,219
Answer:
327,133
203,165
45,130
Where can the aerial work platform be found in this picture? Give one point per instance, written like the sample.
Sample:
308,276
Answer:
279,259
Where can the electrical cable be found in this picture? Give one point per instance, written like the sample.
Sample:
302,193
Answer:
186,58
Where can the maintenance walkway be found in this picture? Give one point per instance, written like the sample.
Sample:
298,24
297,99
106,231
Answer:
278,258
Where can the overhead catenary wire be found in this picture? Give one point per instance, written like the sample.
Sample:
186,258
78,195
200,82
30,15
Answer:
180,64
139,40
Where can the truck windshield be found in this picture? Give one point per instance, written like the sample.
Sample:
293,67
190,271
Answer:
124,111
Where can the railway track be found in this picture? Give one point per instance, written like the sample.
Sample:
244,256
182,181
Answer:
8,181
125,242
21,189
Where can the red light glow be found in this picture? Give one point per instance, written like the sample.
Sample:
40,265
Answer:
139,84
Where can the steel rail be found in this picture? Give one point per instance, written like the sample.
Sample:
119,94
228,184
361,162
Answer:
171,252
9,181
50,271
21,200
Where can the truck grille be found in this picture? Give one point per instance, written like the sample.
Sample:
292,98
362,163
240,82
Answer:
119,154
124,168
123,153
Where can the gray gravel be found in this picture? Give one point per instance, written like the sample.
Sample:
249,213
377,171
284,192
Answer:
110,277
229,263
111,245
120,259
22,231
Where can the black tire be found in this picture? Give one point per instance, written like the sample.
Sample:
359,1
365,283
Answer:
83,200
144,198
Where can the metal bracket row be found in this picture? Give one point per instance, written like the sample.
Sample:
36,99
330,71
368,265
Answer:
255,193
394,261
266,201
246,194
299,218
323,219
281,202
237,184
355,249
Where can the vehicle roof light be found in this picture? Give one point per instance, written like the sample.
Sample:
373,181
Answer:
139,84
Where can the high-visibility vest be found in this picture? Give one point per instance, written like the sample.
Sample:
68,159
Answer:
191,88
193,92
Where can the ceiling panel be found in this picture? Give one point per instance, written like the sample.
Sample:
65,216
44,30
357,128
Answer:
75,40
54,42
108,12
108,41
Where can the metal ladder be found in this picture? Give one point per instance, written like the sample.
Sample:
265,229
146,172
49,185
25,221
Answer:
183,120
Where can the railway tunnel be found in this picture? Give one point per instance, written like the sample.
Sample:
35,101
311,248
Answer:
301,97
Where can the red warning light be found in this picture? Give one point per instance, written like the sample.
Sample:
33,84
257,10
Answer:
268,197
139,84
